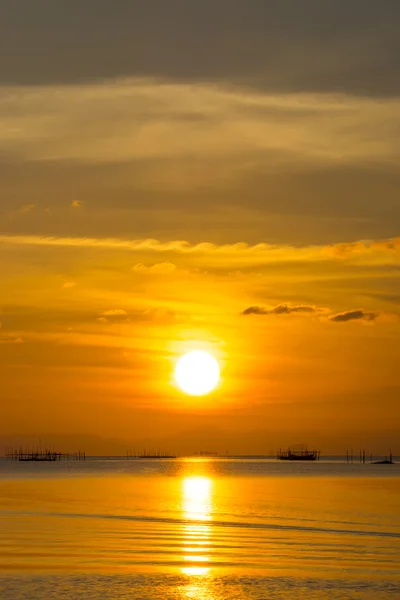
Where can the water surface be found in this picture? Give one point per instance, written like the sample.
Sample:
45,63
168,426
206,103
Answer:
199,529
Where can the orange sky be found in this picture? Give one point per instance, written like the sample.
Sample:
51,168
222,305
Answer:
246,204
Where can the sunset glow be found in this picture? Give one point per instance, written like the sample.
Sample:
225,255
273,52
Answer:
199,299
234,192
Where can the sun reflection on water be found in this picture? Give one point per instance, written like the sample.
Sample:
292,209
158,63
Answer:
197,509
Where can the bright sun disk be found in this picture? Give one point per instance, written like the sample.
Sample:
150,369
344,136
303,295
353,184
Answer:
197,373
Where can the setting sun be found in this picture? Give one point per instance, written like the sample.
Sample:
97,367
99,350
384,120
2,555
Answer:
197,373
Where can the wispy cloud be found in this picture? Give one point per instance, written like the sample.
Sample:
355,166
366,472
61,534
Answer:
354,315
284,309
164,268
236,125
27,208
281,309
390,247
10,339
114,312
183,258
113,315
264,49
118,315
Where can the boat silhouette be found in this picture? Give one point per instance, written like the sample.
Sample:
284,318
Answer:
298,454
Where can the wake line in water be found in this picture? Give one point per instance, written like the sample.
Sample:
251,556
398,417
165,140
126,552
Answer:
214,523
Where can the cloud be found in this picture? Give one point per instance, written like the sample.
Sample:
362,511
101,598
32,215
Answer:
271,45
114,312
174,150
27,208
10,339
76,203
111,243
363,247
281,309
153,258
284,309
69,284
238,127
163,268
161,314
113,315
354,315
385,248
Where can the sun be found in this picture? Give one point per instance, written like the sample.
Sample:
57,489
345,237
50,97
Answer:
197,373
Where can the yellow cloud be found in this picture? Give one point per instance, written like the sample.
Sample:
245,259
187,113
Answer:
27,208
157,269
216,124
238,255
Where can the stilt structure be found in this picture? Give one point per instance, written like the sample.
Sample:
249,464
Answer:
42,455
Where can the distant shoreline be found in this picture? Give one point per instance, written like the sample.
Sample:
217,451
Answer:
326,457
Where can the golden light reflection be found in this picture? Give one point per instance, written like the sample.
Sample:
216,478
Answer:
195,571
196,507
197,498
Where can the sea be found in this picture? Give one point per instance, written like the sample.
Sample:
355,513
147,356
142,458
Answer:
199,529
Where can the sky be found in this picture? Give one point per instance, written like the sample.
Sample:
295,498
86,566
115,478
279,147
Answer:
200,175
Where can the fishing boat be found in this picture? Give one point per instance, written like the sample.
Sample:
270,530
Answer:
298,454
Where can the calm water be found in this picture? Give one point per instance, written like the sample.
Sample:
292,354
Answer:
199,530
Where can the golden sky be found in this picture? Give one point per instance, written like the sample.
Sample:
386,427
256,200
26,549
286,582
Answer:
224,178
